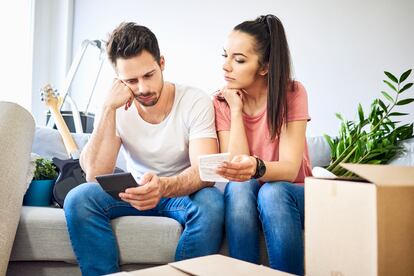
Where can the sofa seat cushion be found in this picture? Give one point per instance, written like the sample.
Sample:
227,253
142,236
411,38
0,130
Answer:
42,236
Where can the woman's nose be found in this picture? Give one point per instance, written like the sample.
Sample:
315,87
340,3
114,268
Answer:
226,66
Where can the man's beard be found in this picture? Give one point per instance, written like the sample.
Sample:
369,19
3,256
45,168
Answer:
147,103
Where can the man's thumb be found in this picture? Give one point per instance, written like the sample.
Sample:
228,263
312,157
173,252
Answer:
146,178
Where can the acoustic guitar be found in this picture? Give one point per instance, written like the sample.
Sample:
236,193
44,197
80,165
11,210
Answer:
70,171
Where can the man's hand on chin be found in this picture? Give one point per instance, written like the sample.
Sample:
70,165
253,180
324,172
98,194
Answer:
147,195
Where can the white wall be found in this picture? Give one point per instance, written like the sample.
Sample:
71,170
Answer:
339,49
15,52
51,49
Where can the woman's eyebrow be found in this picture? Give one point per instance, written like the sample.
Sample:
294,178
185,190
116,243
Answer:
235,54
239,54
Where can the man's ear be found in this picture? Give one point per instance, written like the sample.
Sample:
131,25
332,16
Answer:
264,70
162,63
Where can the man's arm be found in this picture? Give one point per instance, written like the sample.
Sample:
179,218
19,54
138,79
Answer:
188,181
99,155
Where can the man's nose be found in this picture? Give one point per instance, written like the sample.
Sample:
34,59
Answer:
142,87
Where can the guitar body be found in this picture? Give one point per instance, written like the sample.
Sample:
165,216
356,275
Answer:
70,171
70,176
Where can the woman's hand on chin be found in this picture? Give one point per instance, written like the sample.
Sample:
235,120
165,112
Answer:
239,169
233,97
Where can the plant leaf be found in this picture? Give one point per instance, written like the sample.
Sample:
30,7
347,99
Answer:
397,114
405,75
360,113
382,104
330,143
408,85
391,77
339,116
390,85
387,96
405,101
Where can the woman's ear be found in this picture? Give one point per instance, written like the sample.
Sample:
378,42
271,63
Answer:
264,70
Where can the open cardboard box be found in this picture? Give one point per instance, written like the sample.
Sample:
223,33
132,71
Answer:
207,265
361,228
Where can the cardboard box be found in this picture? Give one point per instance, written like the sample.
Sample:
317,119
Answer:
361,228
207,265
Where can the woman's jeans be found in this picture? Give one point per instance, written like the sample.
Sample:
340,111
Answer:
89,210
278,209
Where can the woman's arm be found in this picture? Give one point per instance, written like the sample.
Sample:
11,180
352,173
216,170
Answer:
235,140
291,146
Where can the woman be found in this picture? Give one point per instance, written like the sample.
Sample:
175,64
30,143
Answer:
261,118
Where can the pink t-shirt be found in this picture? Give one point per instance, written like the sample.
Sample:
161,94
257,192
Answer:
257,132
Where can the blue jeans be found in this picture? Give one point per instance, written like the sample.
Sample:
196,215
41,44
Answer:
278,209
89,210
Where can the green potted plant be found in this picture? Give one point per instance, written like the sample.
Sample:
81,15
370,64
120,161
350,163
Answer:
41,187
373,138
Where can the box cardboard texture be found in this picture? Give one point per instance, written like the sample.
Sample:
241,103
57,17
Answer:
207,265
361,228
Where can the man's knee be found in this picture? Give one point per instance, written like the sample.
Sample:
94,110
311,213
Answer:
209,205
80,197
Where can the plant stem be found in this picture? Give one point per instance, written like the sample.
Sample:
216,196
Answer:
343,160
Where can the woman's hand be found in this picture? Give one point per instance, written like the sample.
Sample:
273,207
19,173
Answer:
234,98
239,169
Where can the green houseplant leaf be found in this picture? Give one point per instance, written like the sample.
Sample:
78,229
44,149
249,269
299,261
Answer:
391,77
44,169
375,138
407,86
405,75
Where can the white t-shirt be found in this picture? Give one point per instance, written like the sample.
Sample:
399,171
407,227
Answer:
164,148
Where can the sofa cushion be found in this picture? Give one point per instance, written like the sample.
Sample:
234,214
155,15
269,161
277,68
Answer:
42,236
48,143
407,157
319,151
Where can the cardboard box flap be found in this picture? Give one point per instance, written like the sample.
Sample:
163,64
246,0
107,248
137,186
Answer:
383,175
223,265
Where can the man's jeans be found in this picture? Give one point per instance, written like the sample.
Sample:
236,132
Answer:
278,209
89,210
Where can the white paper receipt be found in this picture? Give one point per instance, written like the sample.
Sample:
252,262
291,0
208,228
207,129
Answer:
208,164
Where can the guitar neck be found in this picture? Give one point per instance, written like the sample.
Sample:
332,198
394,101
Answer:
68,141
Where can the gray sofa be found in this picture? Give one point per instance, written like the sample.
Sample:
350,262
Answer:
42,246
16,135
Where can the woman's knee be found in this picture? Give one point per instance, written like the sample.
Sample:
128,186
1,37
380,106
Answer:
242,191
241,201
275,193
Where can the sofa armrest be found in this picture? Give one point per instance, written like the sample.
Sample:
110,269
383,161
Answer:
16,135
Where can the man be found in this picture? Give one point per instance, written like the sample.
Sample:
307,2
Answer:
163,128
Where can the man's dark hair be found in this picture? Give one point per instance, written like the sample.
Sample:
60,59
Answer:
130,39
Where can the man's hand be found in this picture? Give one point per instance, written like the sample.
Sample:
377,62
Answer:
119,95
239,169
147,195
